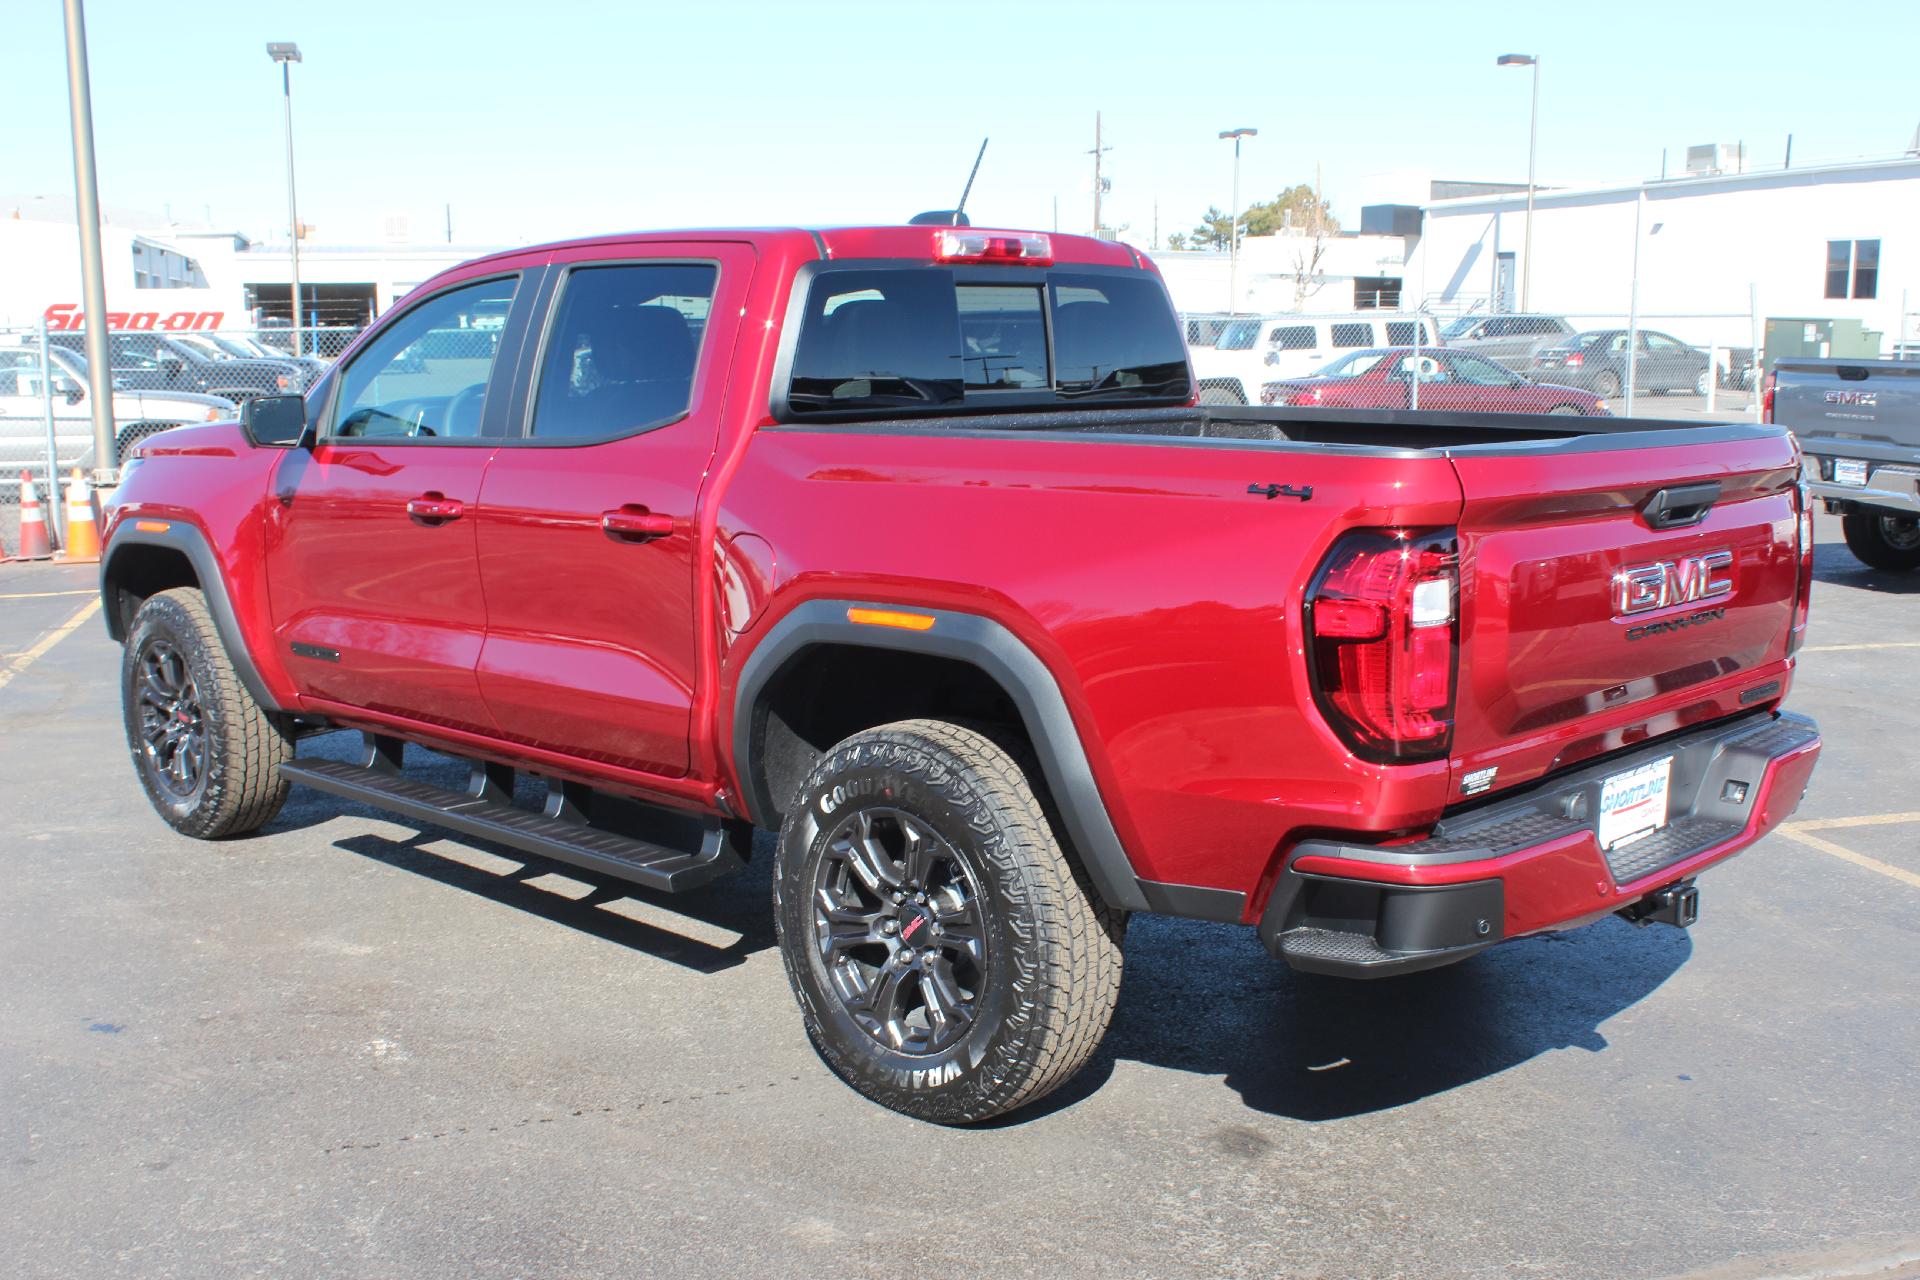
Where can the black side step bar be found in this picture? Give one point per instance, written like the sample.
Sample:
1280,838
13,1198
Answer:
561,834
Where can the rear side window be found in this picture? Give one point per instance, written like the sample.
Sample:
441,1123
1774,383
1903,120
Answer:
1294,337
621,351
919,338
1401,333
1353,335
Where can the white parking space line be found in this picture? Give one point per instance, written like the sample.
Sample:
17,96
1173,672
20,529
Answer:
48,595
16,665
1798,831
1846,648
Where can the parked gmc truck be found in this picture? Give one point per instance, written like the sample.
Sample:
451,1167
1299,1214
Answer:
911,544
1858,423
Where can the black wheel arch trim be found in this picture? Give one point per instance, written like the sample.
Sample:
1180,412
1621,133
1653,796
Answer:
190,542
1003,657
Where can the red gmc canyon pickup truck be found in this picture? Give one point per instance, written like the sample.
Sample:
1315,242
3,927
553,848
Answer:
912,543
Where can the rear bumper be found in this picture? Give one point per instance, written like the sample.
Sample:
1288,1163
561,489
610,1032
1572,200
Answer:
1532,863
1893,477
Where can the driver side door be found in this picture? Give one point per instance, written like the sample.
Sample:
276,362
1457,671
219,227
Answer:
372,568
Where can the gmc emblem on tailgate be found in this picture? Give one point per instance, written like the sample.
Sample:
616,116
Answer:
1865,399
1642,588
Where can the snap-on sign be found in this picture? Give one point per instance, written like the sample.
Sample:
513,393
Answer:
67,315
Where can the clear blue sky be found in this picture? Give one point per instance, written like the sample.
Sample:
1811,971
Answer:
561,117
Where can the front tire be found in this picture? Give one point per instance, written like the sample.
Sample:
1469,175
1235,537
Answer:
208,755
949,960
1883,541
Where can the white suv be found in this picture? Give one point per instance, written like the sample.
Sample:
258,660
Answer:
1255,350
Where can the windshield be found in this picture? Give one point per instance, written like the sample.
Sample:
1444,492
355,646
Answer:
1459,327
204,345
1354,365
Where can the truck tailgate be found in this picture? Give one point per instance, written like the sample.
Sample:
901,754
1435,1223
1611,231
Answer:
1587,627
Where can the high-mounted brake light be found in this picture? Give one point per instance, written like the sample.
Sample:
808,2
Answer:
958,244
1766,398
1381,623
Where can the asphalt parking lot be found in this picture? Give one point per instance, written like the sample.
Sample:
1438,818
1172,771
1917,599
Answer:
351,1047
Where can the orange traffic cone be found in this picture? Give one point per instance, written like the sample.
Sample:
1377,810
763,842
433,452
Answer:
83,529
33,523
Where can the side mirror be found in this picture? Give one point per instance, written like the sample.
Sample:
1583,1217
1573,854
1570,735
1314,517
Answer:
278,422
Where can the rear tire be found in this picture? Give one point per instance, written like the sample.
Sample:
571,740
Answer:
949,960
1607,385
207,753
1883,541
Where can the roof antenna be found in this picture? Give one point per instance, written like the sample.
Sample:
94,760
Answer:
959,212
952,217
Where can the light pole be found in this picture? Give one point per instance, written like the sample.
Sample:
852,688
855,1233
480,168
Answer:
93,286
1233,221
1533,146
287,53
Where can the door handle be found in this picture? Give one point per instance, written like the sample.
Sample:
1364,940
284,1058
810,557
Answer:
636,524
434,508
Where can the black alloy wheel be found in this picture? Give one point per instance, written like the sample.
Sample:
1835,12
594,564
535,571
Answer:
173,728
897,923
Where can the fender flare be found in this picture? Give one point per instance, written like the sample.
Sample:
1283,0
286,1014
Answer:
989,646
190,542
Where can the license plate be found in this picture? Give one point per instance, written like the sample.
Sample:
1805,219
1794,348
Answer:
1634,803
1851,471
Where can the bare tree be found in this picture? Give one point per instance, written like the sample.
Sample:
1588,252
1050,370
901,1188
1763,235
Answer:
1314,229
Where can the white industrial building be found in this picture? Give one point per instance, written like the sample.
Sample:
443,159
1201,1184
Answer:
1835,241
197,276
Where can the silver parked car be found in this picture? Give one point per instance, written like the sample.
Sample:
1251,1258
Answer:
1508,340
137,414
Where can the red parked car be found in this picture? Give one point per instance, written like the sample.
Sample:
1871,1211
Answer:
1449,381
911,544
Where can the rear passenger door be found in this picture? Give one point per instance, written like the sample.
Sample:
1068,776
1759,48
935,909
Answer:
588,524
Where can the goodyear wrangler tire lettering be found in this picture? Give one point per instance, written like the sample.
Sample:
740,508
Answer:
948,959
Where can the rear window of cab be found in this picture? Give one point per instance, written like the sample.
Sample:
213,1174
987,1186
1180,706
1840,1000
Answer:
906,339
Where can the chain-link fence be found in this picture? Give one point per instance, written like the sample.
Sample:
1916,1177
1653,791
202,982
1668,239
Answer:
1595,362
160,380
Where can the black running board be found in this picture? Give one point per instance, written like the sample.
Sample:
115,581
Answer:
560,834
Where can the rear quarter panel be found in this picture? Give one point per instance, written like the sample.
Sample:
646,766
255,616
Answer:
1161,595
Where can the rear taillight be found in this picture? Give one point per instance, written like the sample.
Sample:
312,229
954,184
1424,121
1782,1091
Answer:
1383,641
1575,359
1766,399
1310,395
1803,600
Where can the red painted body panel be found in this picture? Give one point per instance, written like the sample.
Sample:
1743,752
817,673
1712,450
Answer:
592,641
1165,600
397,597
211,478
1551,675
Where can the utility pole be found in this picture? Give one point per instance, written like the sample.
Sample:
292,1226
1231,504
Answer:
1099,183
1233,221
93,281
